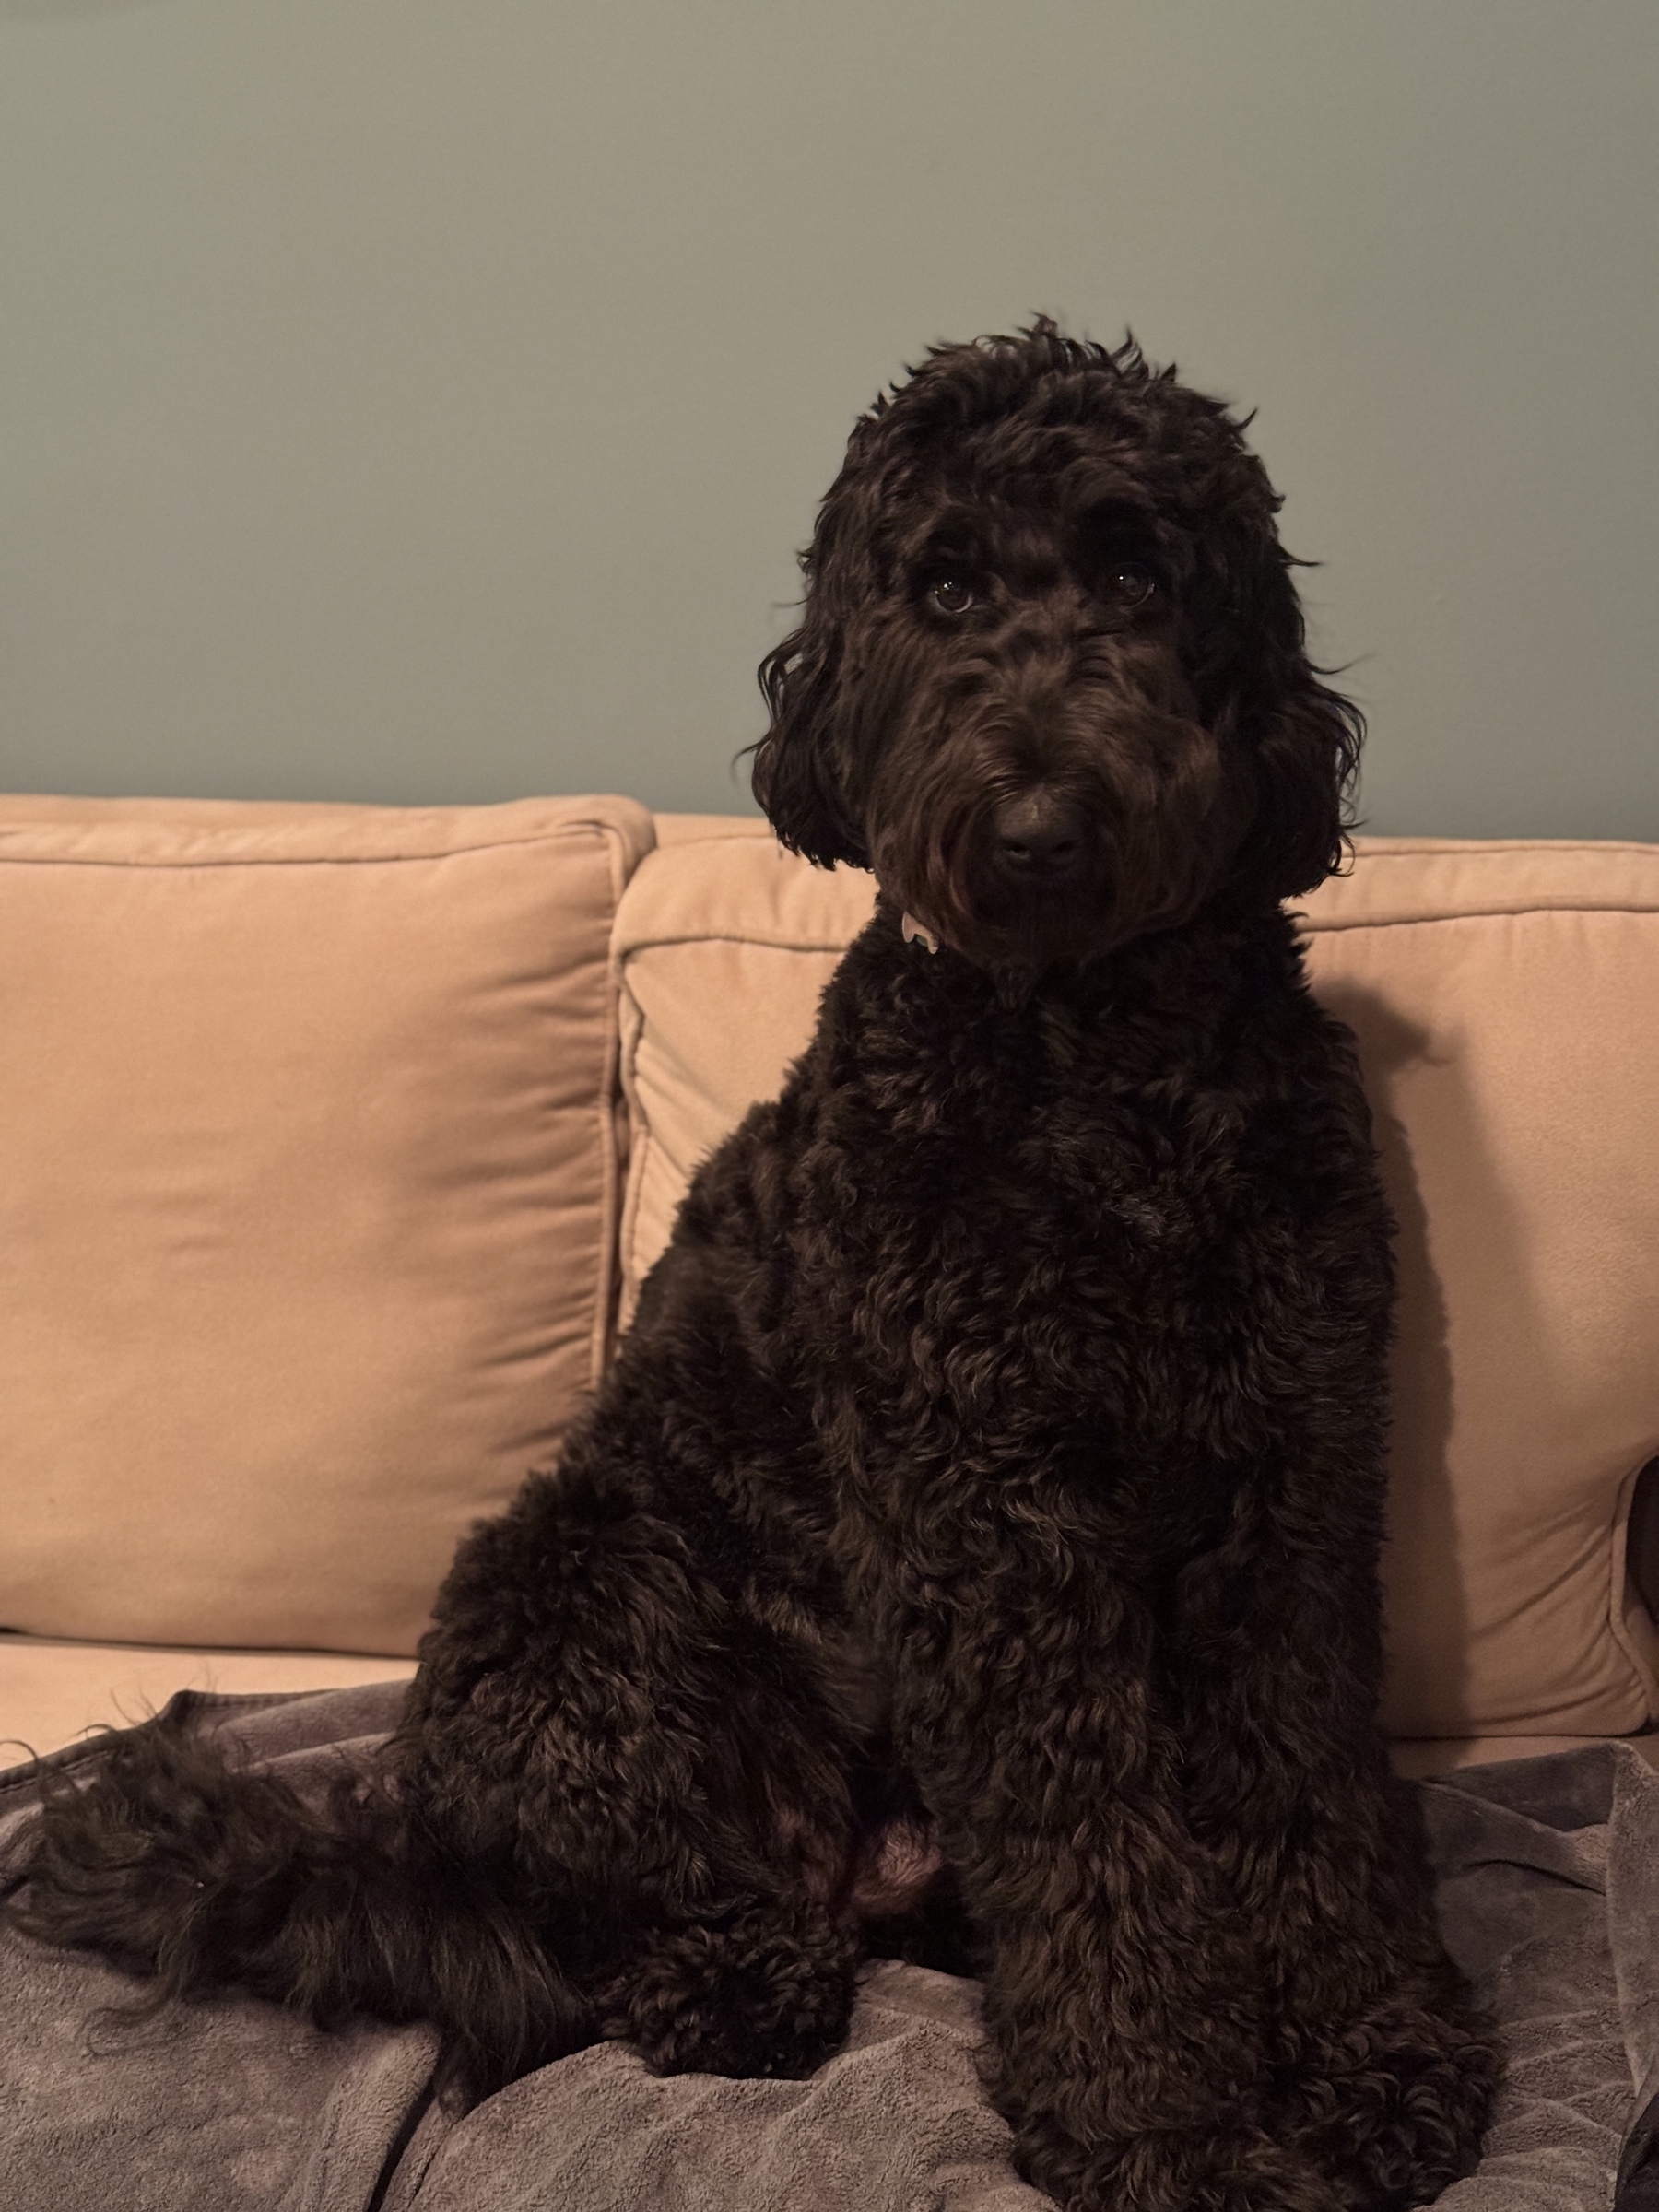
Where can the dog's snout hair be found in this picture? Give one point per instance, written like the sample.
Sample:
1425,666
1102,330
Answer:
1047,811
1046,569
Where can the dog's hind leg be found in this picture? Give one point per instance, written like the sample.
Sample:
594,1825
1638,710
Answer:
601,1815
631,1731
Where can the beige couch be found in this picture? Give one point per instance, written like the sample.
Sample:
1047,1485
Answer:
338,1140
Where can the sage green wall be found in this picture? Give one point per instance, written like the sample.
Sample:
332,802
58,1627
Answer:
422,399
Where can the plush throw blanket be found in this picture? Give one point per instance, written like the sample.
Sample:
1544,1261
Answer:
1549,1893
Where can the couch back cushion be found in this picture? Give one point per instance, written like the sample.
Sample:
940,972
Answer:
724,945
1503,997
307,1224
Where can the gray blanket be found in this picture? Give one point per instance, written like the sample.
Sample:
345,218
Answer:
1549,1892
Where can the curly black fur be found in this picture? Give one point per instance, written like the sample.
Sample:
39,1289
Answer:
975,1546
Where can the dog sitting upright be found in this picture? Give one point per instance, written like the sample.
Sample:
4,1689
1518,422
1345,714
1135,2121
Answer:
974,1547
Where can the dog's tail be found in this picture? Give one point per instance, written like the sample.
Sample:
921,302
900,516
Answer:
199,1876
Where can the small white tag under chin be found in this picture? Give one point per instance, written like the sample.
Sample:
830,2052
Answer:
912,929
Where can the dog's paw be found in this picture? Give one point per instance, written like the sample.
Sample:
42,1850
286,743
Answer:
767,1993
1395,2107
1223,2172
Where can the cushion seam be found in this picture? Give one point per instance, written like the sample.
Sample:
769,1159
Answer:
638,1156
1324,925
609,1198
767,943
605,832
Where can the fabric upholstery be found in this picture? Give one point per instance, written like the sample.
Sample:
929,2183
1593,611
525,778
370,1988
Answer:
307,1226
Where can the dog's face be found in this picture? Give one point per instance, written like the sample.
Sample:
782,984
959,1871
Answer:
1050,681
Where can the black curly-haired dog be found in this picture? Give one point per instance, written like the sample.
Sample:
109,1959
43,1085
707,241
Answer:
974,1550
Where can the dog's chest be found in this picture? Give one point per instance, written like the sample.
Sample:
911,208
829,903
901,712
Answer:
1024,1249
1127,1236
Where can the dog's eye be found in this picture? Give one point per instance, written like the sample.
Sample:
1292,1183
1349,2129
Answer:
950,595
1131,582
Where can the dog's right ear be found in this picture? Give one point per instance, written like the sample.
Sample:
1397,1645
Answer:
798,765
804,771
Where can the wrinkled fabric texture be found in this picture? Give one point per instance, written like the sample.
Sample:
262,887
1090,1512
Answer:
1549,1898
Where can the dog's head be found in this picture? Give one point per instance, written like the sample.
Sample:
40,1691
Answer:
1049,681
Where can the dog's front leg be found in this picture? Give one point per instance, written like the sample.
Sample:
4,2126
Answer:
1384,2075
1121,2009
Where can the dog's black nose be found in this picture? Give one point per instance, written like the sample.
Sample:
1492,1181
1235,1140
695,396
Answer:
1040,833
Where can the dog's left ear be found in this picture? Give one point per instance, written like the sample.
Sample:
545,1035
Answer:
1306,756
1299,739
